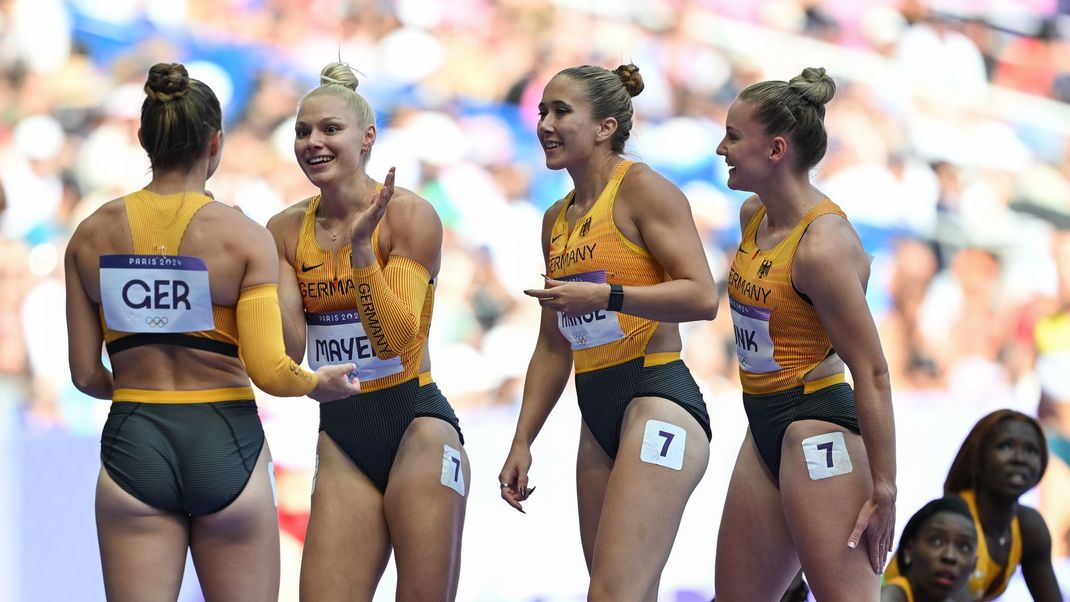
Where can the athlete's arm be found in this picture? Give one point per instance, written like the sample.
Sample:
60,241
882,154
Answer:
893,593
663,216
390,300
652,212
1036,556
260,344
283,226
84,335
831,268
547,375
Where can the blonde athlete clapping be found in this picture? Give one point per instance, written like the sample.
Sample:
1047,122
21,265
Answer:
360,262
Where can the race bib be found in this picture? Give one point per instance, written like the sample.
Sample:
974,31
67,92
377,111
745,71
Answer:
589,330
338,337
155,293
754,345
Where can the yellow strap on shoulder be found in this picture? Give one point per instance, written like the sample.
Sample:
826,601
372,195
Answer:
261,348
390,302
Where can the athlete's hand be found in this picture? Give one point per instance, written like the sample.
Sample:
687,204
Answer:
877,519
335,382
513,479
366,220
571,298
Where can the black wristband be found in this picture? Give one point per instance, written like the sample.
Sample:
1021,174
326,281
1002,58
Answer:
616,297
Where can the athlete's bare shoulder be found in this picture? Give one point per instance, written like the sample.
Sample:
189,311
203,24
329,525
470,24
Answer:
747,211
106,221
409,207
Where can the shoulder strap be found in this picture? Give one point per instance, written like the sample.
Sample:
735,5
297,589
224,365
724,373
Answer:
158,222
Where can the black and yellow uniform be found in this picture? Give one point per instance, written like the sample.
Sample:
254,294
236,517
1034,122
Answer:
902,583
376,317
780,339
609,348
157,224
185,451
989,579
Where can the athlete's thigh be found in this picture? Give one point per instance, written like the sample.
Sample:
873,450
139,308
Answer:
756,558
347,544
236,550
662,456
425,506
142,549
822,498
593,466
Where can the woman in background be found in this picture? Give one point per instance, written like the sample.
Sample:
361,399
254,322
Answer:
938,551
1003,457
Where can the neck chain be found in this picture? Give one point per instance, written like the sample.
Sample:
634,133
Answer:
349,218
334,233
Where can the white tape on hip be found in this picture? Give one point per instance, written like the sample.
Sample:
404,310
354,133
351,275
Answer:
663,444
826,455
452,475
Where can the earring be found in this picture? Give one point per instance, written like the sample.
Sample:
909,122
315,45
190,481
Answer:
906,560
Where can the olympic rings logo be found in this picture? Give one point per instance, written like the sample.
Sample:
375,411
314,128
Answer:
156,321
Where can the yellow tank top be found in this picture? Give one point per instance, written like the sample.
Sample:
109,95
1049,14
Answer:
903,584
326,284
779,337
596,251
157,225
988,579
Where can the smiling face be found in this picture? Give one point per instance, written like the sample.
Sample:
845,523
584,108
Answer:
1012,459
566,130
942,555
747,149
329,139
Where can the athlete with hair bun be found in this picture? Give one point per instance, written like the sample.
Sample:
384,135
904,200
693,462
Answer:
814,481
625,265
183,292
359,266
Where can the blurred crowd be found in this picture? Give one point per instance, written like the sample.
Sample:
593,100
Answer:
948,150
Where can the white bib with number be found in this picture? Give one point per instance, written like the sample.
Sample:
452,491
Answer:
754,345
338,337
589,330
155,293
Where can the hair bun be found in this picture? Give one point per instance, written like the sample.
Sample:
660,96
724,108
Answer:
167,81
629,76
814,85
340,74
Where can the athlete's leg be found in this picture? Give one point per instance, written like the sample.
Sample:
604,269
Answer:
593,466
821,512
142,549
425,509
236,550
645,500
347,544
756,558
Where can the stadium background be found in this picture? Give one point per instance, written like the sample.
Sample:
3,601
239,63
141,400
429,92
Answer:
948,150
